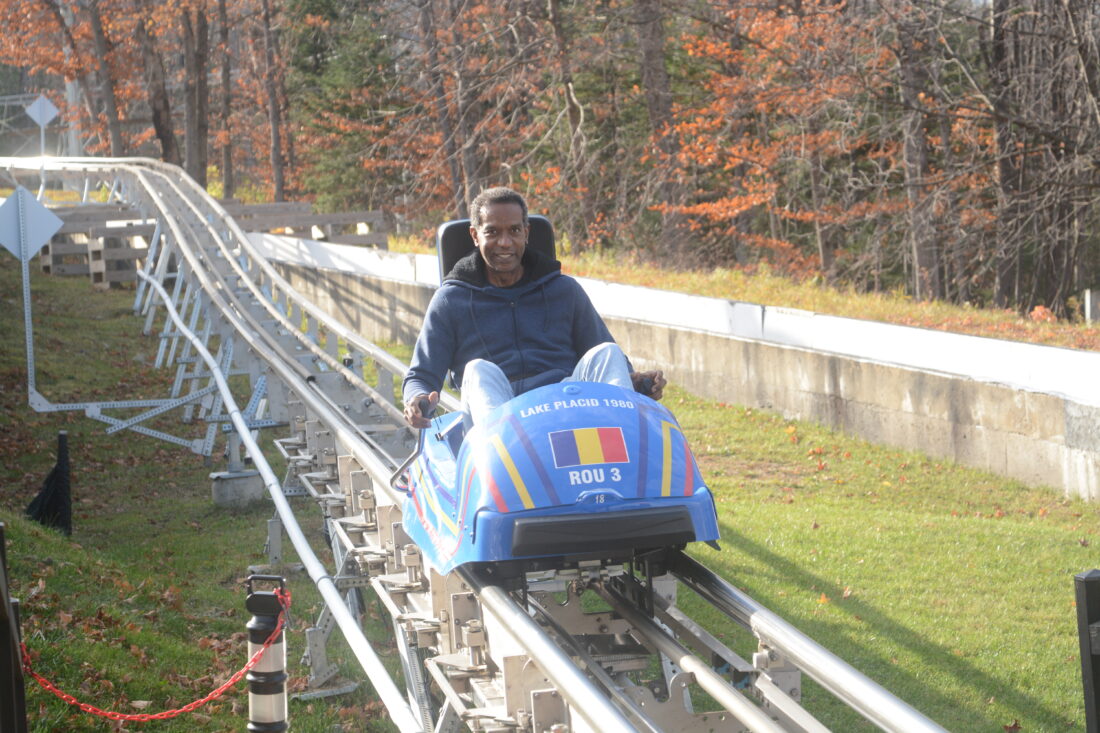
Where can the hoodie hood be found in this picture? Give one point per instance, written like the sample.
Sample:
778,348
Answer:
470,271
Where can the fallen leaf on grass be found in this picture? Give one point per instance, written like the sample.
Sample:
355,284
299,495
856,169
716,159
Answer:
1015,726
172,598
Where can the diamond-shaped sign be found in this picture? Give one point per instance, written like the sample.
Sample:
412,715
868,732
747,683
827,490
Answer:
34,225
42,110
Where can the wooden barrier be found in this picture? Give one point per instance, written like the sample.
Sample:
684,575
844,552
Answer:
103,241
116,252
65,254
374,239
243,211
109,242
299,218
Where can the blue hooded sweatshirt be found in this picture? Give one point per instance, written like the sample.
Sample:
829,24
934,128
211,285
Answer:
535,331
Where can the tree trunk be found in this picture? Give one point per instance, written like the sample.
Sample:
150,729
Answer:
577,169
202,95
442,113
649,22
228,183
106,83
473,159
274,114
64,19
957,248
1006,257
196,45
156,92
921,232
825,252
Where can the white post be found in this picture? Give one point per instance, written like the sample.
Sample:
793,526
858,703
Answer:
267,700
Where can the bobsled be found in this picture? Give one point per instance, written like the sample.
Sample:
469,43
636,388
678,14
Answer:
565,472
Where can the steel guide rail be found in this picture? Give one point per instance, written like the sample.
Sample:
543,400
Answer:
346,439
834,674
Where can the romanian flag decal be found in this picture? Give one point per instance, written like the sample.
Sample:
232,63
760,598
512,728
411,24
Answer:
585,446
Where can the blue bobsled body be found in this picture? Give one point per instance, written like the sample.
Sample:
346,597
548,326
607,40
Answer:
576,469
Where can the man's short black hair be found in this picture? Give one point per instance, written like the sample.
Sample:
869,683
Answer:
496,195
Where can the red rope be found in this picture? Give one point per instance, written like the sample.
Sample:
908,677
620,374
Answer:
284,601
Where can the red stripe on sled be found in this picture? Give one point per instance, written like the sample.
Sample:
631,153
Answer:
613,445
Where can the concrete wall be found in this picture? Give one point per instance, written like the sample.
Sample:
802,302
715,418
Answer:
1041,439
1041,436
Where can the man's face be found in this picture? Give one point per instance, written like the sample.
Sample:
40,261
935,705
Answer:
501,239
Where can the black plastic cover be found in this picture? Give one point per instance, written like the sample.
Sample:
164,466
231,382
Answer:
604,531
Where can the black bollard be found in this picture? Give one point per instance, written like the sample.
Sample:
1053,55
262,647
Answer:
267,702
1087,588
53,506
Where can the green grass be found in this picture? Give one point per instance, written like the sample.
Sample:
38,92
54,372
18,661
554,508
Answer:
951,587
145,602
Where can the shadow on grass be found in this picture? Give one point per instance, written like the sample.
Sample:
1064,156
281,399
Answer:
962,716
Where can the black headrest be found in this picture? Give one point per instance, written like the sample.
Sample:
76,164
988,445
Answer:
453,241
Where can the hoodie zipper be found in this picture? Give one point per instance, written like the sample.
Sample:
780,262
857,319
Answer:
515,339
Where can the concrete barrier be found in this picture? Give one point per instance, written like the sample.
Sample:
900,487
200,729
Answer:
1020,410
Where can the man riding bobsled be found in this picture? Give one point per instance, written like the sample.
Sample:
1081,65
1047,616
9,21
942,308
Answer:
506,320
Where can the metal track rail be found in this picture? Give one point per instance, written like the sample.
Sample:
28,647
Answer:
713,683
476,654
584,697
859,692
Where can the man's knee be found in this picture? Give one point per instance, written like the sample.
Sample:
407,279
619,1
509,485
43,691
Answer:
608,352
476,365
479,370
484,387
602,350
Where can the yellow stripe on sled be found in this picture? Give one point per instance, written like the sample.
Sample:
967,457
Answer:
506,459
429,497
589,447
666,457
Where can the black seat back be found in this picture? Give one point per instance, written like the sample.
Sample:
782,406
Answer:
453,241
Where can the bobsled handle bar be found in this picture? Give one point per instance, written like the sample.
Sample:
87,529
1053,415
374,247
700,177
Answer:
425,406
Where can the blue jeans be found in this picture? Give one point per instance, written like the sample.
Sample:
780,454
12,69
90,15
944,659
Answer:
485,387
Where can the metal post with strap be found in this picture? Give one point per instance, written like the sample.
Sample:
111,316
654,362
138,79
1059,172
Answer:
13,703
267,698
